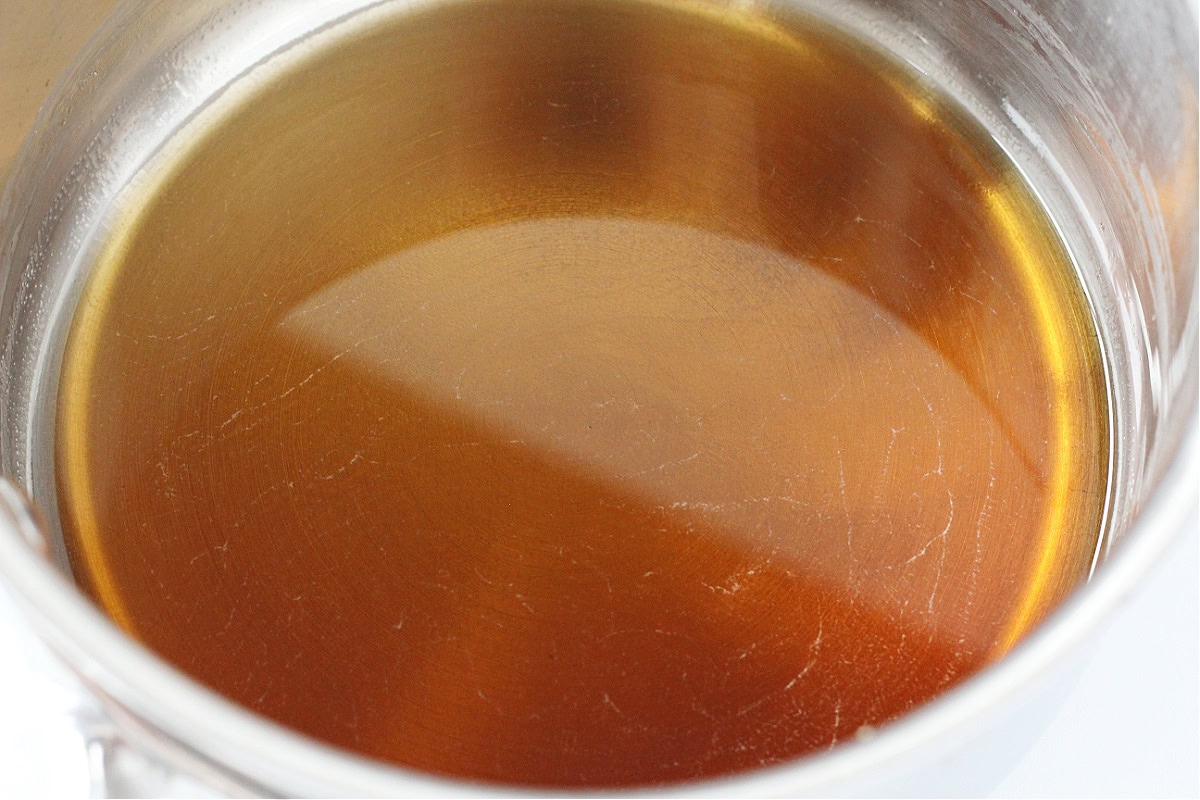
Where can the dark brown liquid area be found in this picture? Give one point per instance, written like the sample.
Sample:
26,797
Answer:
589,393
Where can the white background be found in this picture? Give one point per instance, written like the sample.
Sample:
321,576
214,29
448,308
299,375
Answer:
1131,726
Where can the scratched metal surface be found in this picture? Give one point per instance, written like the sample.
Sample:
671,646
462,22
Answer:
1159,382
597,394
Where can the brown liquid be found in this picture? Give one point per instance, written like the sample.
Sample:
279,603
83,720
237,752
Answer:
589,393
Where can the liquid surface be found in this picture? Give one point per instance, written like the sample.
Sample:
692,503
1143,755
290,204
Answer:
589,393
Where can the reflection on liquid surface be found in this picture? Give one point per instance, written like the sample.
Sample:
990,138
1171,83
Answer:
596,393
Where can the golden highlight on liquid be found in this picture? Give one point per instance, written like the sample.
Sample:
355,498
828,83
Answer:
594,393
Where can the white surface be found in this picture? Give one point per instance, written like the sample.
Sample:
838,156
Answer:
41,752
1129,728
